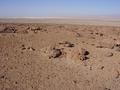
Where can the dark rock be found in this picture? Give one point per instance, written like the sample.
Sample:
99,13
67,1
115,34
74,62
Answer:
117,47
74,81
107,89
23,48
67,44
84,54
102,67
101,34
55,53
2,77
31,48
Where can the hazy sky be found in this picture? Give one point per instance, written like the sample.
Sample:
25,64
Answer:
33,8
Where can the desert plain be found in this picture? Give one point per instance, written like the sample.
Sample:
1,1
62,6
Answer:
59,56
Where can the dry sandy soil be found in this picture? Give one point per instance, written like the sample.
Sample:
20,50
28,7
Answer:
59,57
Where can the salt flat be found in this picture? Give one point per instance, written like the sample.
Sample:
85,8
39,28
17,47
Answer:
109,21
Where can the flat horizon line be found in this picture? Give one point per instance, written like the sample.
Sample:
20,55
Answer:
60,17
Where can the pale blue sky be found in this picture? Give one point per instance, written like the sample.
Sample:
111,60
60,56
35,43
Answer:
37,8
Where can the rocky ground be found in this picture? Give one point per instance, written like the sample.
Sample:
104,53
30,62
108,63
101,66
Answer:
59,57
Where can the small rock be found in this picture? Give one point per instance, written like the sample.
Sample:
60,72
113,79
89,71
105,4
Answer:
99,47
74,81
117,47
23,48
31,49
102,67
109,54
67,44
23,45
78,34
55,53
107,89
101,34
16,82
84,52
2,76
96,33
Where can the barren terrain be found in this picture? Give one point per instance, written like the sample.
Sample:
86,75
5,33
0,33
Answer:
37,56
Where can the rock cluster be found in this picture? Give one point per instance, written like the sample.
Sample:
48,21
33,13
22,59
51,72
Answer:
8,30
37,29
66,50
23,47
